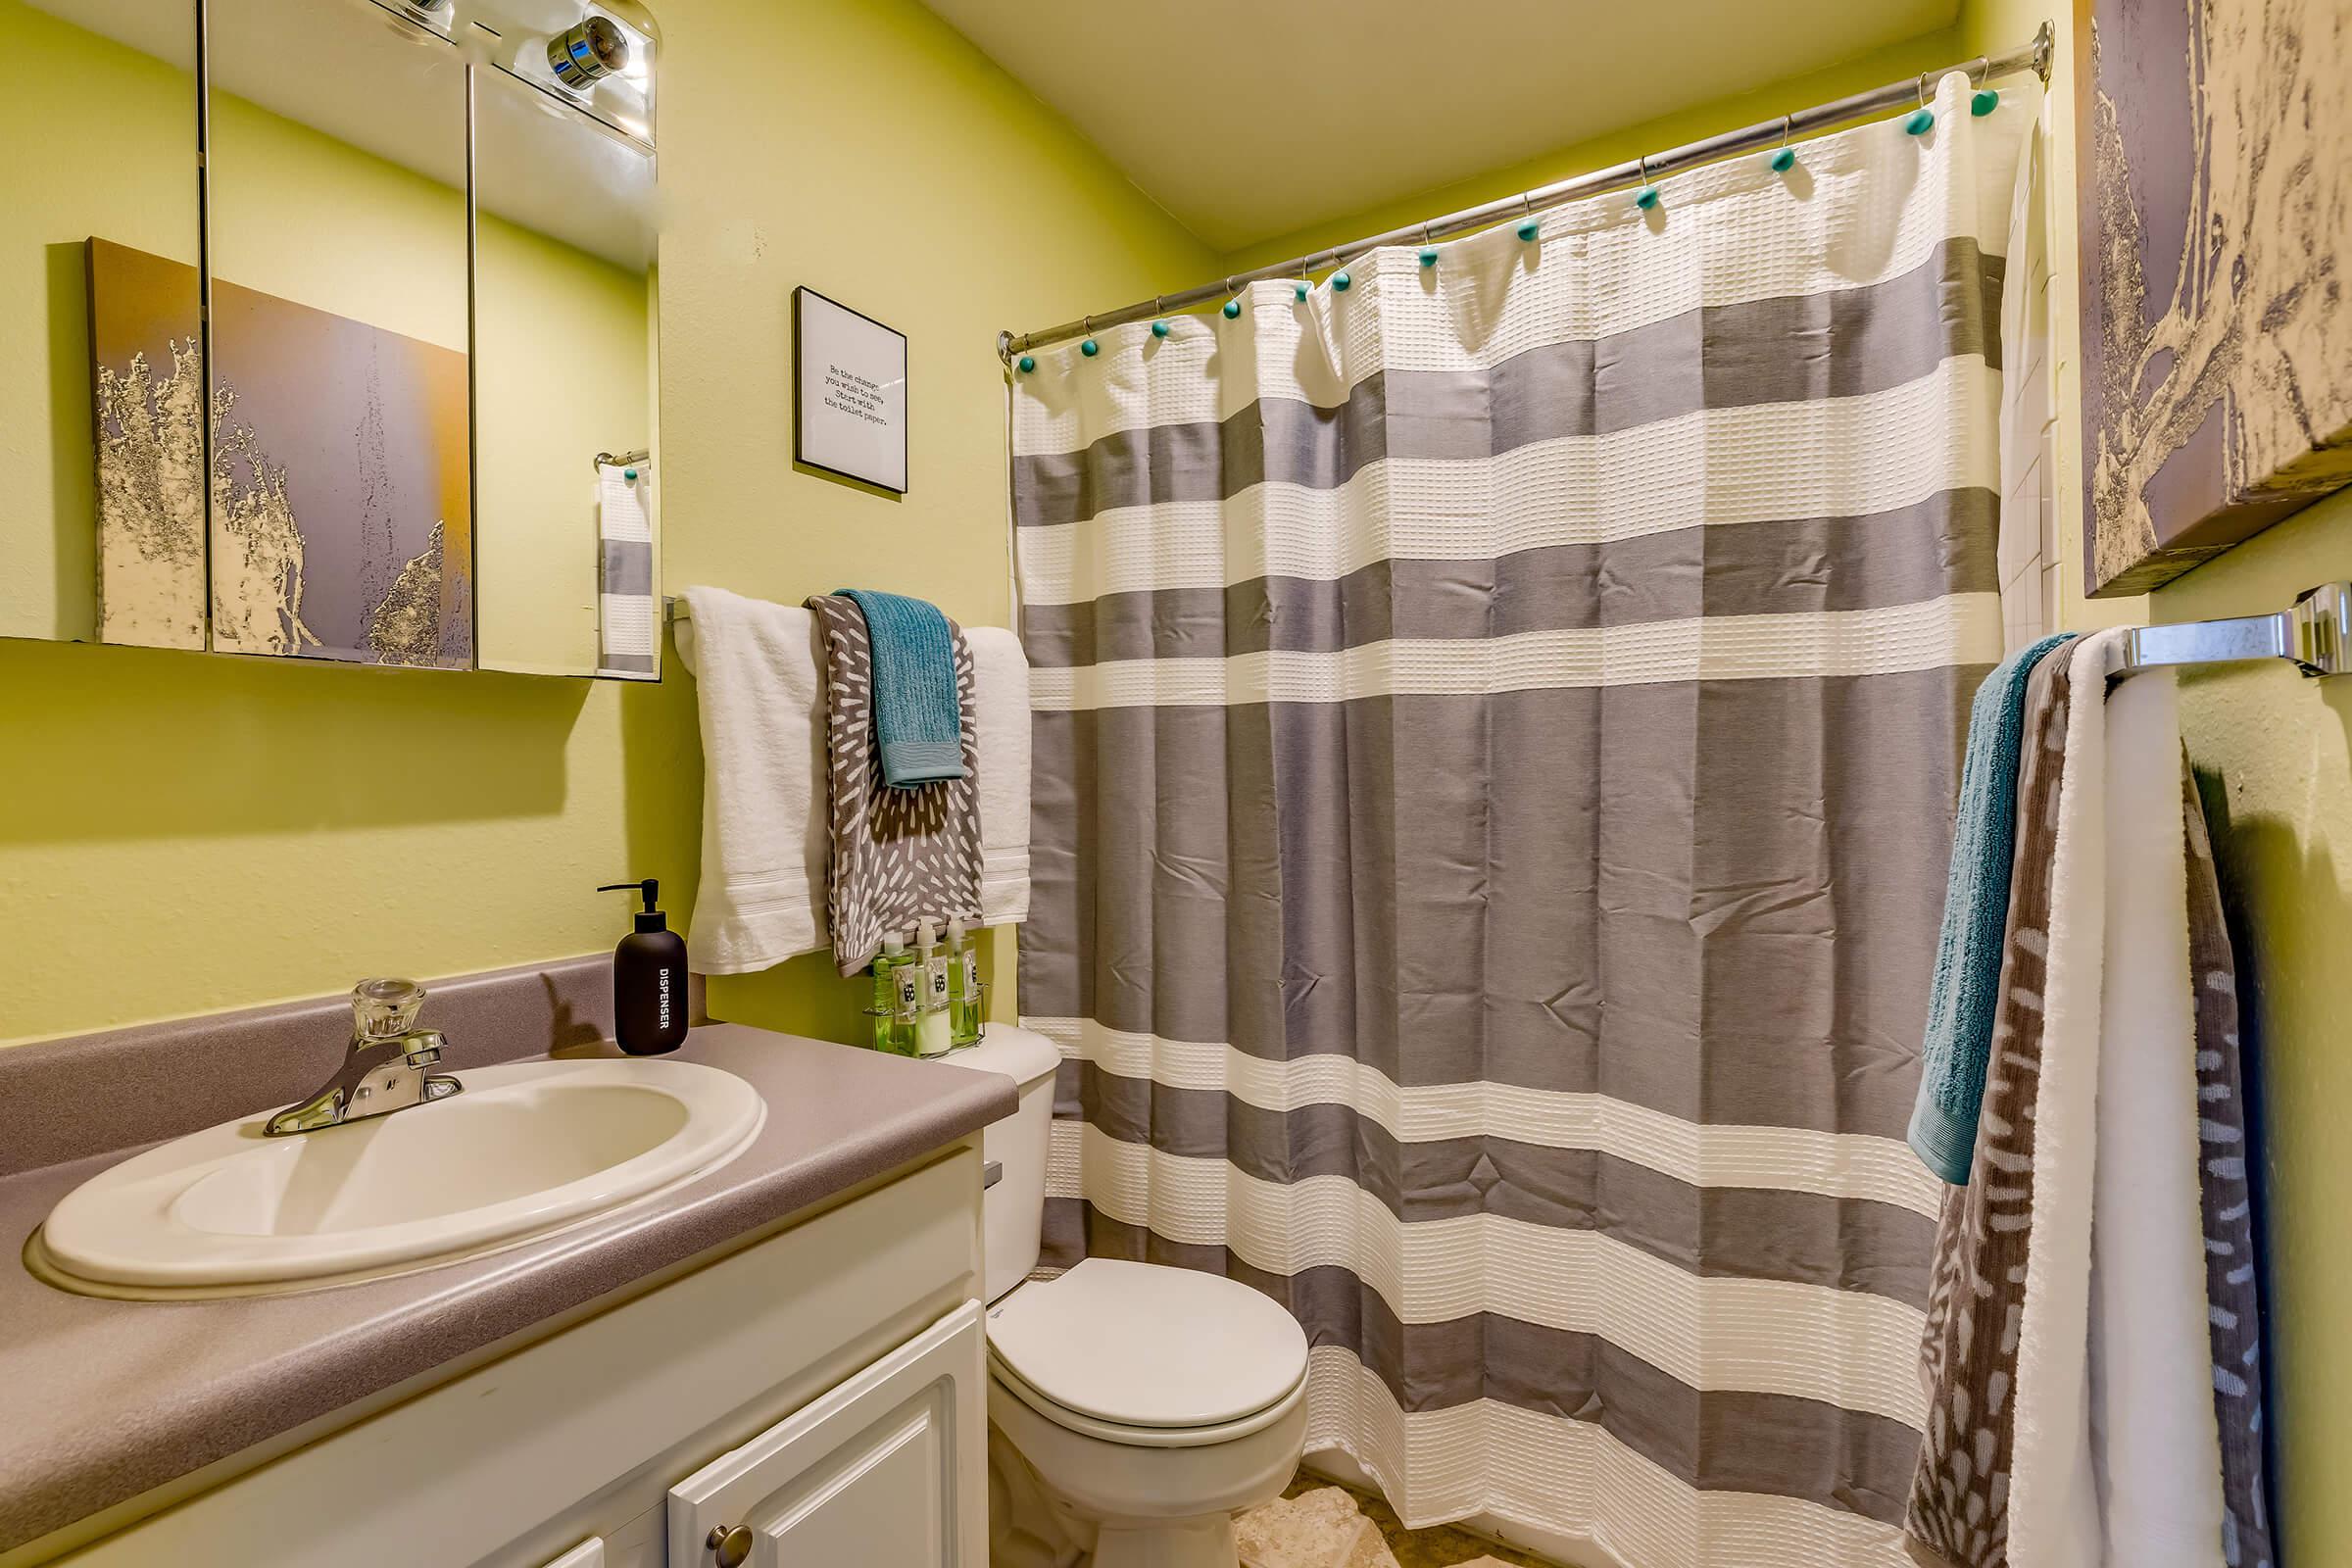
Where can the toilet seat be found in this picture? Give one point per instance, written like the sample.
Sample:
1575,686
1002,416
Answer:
1147,1355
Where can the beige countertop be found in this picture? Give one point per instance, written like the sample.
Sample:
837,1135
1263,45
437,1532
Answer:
103,1401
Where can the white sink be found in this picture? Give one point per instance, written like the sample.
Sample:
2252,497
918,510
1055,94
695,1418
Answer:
526,1147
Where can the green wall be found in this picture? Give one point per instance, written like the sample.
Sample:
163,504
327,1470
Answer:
186,832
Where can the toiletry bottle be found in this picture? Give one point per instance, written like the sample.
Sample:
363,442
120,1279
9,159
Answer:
889,966
932,1037
963,985
905,995
649,978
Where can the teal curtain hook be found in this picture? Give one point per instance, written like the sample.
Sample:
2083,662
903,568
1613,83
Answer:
1300,289
629,474
1429,252
1341,280
1090,348
1233,310
1985,100
1028,364
1159,329
1533,228
1784,160
1647,198
1923,119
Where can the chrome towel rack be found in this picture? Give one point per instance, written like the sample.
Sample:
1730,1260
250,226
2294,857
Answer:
2314,634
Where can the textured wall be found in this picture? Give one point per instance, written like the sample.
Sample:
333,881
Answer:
2276,752
183,832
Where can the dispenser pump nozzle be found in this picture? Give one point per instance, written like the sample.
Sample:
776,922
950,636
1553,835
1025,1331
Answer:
651,918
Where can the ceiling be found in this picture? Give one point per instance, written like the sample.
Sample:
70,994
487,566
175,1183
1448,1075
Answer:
1249,119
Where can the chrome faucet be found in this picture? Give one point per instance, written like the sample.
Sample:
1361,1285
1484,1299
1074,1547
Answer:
385,1069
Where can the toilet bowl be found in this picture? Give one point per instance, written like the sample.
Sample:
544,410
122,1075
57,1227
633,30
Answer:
1142,1406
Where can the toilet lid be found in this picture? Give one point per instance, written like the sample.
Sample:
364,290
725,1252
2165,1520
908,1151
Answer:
1144,1345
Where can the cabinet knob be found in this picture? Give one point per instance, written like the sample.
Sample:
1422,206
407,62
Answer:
732,1545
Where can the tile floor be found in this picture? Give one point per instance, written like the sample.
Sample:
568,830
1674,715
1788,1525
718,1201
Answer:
1320,1524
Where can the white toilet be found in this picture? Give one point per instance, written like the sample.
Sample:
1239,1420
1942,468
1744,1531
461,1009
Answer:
1142,1406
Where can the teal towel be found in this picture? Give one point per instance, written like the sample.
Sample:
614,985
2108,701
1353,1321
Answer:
917,721
1975,916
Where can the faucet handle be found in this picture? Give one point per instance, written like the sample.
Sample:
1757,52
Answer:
384,1010
423,1047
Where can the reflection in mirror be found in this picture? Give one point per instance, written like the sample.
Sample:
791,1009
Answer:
564,264
341,509
101,385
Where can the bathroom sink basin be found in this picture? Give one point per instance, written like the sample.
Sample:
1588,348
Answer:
525,1149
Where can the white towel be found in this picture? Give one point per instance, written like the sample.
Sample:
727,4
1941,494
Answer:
1001,671
2118,1458
2154,1435
764,809
757,686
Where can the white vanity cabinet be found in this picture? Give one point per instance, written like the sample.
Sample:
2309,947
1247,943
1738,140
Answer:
822,1389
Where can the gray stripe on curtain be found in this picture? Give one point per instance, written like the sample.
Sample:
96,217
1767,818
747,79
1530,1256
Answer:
1742,863
1725,1440
1713,1232
1836,344
1823,564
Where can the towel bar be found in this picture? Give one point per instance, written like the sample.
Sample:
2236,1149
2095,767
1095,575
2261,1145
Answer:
2314,634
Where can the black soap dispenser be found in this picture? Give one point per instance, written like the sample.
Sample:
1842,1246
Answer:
649,978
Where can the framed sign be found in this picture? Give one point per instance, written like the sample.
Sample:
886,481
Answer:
849,375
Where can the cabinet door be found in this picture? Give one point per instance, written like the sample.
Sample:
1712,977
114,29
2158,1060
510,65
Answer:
889,1470
589,1554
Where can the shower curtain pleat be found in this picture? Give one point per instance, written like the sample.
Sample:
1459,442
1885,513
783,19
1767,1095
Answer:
1497,730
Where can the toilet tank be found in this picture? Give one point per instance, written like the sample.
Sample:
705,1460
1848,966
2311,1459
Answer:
1014,1207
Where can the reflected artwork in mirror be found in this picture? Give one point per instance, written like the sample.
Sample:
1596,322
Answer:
147,375
341,482
101,377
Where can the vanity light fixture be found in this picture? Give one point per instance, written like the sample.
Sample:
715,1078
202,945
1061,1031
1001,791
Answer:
584,55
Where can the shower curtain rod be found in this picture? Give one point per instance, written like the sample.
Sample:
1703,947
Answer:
2034,56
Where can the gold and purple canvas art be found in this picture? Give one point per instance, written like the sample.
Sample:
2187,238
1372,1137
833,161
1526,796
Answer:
2214,202
341,495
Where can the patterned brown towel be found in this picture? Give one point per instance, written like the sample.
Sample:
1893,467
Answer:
1958,1512
895,856
2233,1285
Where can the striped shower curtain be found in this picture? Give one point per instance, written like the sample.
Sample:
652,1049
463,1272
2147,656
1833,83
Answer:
1496,731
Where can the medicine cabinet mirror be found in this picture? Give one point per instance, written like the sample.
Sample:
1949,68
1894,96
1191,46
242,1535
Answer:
405,323
101,395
